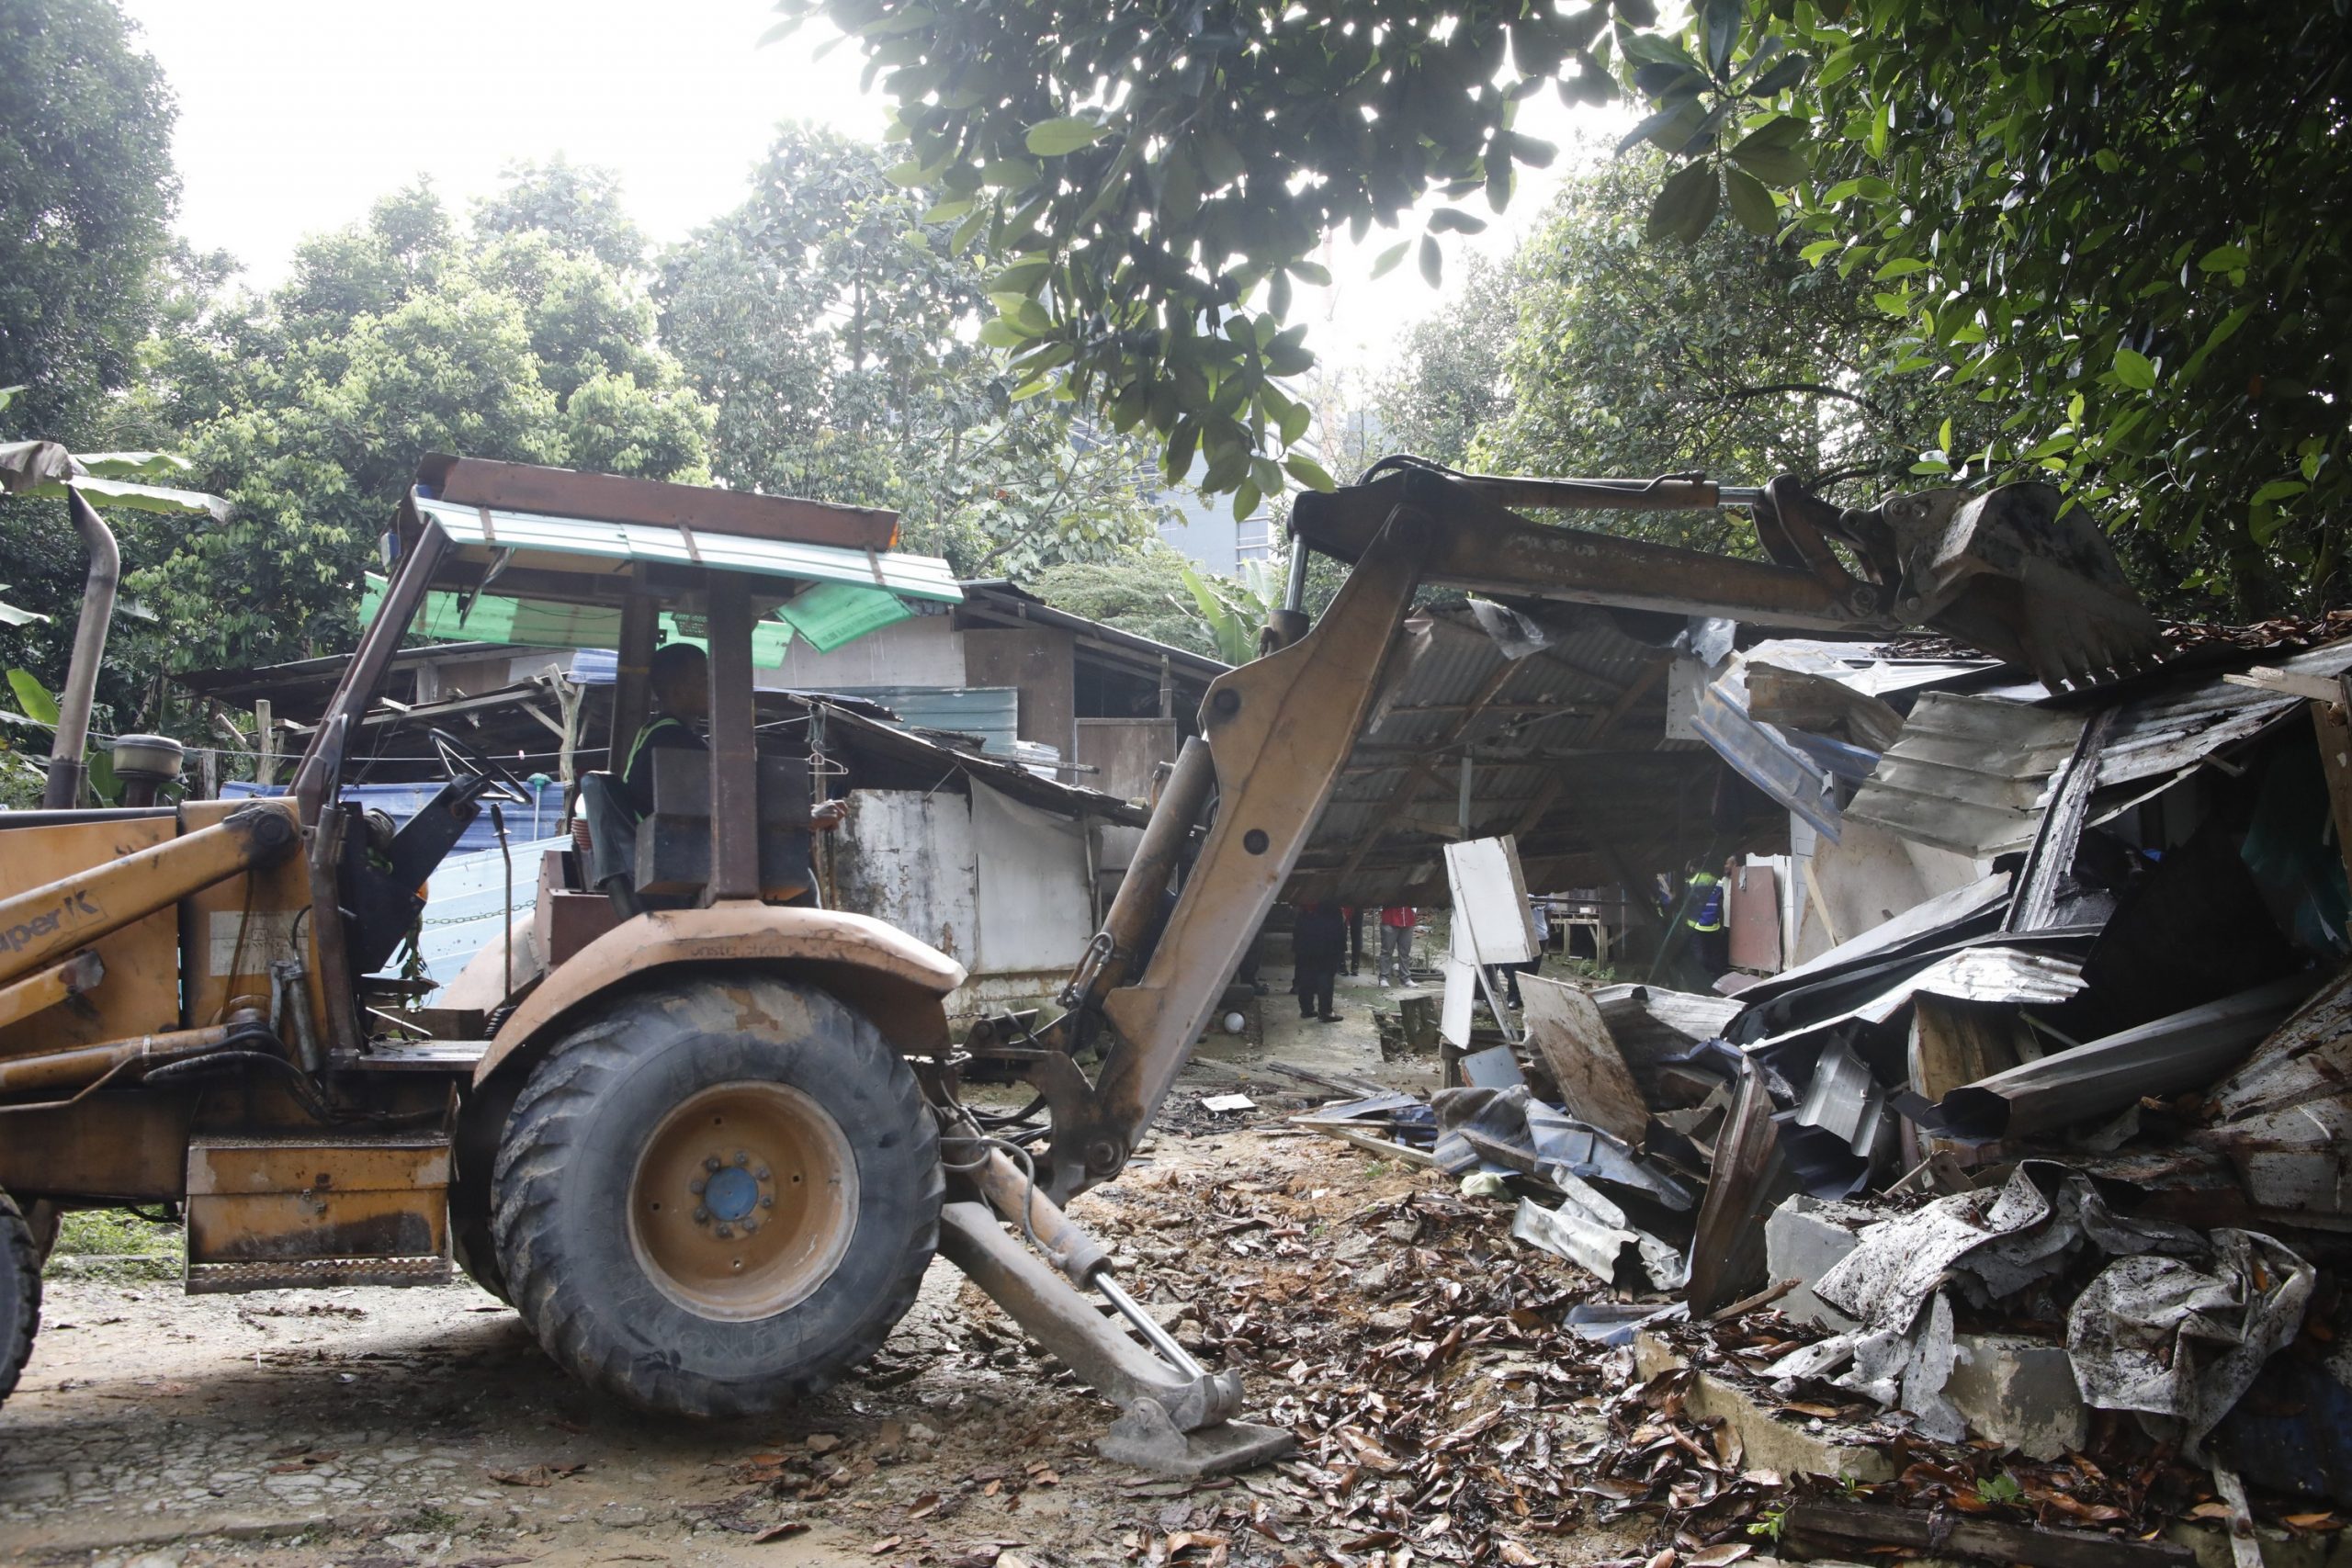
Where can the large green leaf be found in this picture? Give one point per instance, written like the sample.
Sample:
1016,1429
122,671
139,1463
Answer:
1053,138
1750,202
33,699
1771,153
2134,370
1687,204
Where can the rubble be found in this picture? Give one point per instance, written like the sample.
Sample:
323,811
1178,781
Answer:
2044,1173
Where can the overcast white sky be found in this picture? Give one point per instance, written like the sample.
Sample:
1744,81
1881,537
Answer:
294,115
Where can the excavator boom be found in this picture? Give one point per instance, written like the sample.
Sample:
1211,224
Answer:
2012,570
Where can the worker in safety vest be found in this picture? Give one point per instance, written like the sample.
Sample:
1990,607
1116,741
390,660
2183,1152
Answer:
680,679
1709,945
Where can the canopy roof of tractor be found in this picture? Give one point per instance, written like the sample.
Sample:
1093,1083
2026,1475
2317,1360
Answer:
544,556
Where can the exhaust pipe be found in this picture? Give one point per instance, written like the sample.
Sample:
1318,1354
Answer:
68,773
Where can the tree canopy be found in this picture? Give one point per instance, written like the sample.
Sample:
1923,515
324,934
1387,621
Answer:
87,192
1595,351
410,333
2119,227
835,329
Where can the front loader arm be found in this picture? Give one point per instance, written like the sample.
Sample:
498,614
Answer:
1276,732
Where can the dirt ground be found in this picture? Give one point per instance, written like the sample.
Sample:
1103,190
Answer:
382,1429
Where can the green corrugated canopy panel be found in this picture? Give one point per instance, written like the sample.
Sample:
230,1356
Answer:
542,623
849,592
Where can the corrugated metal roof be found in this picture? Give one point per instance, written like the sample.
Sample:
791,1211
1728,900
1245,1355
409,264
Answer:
1567,748
1968,773
989,713
912,576
1009,601
2173,724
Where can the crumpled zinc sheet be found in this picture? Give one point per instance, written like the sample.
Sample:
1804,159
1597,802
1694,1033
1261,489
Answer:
2166,1338
2181,1342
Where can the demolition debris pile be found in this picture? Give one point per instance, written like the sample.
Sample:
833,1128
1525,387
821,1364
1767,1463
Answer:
2025,1206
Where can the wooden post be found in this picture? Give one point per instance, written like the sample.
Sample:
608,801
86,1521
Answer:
734,761
266,743
632,698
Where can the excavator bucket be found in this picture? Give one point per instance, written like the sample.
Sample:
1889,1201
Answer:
2018,572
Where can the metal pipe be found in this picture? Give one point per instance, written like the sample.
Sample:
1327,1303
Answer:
87,1063
1011,1192
1294,590
1148,1326
1081,1258
68,772
1136,906
507,857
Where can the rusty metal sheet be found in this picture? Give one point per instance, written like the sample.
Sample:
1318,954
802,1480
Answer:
1590,1073
2180,1051
2284,1119
1750,1177
1762,755
1921,920
2176,723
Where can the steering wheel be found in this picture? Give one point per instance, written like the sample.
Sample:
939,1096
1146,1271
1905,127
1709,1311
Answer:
463,759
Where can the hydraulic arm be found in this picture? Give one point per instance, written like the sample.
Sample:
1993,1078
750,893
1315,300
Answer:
2010,571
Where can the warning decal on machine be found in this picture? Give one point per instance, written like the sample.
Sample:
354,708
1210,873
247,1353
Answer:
242,942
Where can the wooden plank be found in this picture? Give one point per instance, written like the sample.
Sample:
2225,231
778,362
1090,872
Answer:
1849,1529
1595,1086
734,765
1381,1147
2288,683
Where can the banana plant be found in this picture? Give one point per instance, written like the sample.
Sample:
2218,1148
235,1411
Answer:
37,709
1234,610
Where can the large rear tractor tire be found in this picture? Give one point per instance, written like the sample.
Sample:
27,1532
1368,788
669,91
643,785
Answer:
716,1196
19,1293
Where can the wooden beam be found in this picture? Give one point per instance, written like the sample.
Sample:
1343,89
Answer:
1641,687
734,760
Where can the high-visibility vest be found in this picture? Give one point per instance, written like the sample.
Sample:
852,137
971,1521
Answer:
645,733
1707,914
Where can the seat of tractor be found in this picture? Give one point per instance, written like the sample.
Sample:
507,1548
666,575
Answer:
663,862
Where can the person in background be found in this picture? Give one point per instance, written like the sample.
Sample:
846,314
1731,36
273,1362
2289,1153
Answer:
1396,923
679,684
1318,946
1540,915
1710,944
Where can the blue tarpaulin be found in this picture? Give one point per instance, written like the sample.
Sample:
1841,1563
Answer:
402,801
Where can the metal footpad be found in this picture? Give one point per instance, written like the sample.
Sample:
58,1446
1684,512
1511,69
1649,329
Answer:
1175,1419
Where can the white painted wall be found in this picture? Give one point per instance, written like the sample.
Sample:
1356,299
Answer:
1869,876
998,886
1036,913
925,651
906,858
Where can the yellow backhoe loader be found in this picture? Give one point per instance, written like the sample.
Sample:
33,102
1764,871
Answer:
708,1143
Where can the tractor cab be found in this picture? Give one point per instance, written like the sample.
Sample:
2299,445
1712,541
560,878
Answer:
689,809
